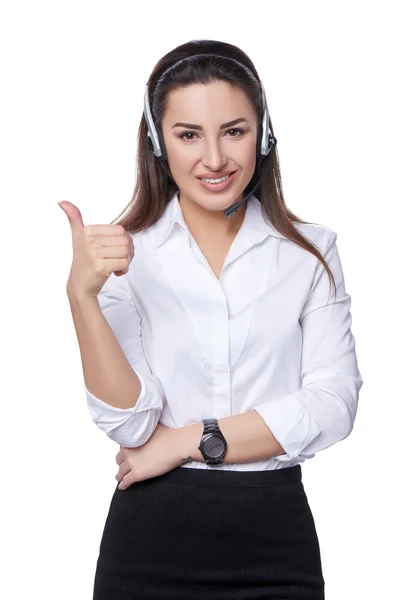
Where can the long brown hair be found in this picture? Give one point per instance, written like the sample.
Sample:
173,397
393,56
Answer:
155,186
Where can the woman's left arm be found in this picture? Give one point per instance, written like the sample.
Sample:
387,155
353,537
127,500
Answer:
247,436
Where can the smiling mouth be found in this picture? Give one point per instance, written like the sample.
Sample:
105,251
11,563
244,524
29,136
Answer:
221,176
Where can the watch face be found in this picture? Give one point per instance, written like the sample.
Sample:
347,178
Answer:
213,445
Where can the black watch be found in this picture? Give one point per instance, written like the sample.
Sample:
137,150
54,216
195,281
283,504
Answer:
213,445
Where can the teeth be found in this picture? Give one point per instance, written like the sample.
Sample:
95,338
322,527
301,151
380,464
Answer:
216,180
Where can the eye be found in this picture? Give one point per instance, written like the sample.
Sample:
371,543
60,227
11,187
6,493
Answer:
182,136
186,133
236,129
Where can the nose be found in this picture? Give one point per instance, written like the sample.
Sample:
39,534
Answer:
214,157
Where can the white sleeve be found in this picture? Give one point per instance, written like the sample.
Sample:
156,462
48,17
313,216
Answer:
130,427
323,411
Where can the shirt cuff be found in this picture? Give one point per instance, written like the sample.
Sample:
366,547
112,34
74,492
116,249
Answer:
108,417
290,423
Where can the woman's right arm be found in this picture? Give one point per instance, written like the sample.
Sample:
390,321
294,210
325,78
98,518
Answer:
122,395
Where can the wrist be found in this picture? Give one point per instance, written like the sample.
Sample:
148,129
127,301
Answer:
77,299
187,440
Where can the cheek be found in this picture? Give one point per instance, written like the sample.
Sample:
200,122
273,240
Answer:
243,153
179,160
249,155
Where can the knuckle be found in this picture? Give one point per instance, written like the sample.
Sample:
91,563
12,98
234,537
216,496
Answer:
98,267
88,231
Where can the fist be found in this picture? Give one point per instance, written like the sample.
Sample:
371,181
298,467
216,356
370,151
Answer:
98,251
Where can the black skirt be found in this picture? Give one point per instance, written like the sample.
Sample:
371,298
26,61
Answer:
196,534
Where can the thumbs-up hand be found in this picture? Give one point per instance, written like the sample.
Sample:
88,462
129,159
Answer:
98,251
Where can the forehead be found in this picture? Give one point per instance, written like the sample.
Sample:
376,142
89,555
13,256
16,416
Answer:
212,102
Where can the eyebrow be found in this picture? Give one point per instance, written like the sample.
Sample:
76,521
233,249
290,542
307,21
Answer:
200,128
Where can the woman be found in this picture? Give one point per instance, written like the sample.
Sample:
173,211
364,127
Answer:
215,351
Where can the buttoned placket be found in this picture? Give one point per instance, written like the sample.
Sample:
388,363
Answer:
220,367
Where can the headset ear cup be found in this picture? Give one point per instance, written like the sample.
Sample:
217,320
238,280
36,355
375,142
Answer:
164,157
162,144
259,138
150,144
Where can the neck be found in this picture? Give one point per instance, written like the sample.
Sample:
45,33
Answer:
210,224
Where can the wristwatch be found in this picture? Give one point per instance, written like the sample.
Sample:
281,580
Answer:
213,445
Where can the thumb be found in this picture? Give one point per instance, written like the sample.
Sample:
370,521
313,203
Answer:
74,215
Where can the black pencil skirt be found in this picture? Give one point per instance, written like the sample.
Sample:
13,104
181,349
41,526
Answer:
197,534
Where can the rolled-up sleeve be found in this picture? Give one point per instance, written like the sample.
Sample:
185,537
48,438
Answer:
323,411
130,427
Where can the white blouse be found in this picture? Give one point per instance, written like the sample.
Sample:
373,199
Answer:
264,337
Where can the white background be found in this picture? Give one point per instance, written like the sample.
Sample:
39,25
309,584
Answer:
72,83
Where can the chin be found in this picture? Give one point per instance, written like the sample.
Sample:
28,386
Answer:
218,203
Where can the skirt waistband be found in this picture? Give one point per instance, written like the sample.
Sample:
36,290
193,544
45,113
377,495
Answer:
225,478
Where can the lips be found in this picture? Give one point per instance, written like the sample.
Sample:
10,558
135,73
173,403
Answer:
218,187
214,175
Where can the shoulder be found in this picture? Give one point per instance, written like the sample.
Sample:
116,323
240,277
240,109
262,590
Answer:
320,235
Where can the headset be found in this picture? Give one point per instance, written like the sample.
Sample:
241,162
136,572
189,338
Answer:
266,142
